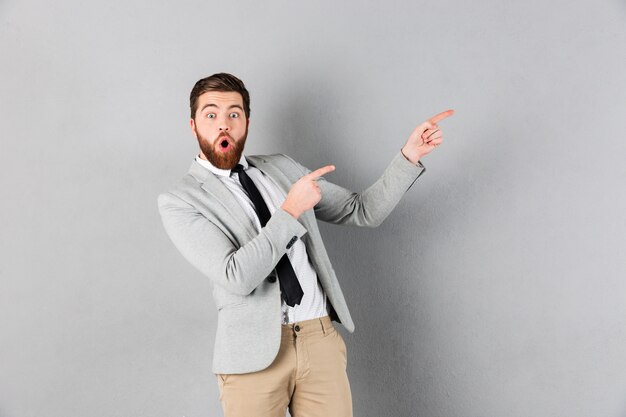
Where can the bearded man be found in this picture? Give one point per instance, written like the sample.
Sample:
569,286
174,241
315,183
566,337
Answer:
249,224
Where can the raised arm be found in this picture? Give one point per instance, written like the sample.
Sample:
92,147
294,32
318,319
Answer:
371,207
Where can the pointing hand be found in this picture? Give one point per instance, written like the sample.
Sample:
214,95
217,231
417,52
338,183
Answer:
425,137
305,193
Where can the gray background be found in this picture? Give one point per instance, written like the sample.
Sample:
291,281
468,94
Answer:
497,286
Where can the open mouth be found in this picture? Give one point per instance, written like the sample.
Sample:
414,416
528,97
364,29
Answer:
224,144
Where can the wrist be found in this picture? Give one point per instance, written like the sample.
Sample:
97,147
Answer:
412,157
290,211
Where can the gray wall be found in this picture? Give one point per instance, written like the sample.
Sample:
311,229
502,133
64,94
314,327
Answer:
497,286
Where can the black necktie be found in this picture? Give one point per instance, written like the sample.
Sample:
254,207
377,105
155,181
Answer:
289,285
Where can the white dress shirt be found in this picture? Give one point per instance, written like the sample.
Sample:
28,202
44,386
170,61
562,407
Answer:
313,303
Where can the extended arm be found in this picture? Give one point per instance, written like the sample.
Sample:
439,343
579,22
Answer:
370,207
335,204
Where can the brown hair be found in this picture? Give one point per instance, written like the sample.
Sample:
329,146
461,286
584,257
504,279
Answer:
219,82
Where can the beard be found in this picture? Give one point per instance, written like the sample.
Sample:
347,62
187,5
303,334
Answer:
220,159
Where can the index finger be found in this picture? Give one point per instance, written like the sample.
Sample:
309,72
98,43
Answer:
321,171
441,116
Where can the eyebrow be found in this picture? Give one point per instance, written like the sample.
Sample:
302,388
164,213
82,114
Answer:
215,105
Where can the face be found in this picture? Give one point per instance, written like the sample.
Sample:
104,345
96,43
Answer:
221,127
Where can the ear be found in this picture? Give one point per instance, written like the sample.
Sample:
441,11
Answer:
192,124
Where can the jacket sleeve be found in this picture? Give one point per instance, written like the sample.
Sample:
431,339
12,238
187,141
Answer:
239,270
370,207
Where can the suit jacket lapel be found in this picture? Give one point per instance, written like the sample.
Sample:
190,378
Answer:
282,181
230,207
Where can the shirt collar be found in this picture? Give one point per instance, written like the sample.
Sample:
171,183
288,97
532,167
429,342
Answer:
217,171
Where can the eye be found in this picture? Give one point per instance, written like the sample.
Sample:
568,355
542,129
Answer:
234,115
210,116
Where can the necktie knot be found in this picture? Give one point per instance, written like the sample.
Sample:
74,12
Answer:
238,168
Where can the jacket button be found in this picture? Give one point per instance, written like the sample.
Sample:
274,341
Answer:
296,328
291,242
271,278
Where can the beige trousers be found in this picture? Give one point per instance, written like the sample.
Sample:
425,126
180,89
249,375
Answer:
308,376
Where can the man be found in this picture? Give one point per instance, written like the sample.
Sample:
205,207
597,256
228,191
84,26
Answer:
249,225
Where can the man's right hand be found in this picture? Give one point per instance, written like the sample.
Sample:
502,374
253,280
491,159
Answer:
305,193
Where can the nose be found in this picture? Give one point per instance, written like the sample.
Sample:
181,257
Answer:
224,126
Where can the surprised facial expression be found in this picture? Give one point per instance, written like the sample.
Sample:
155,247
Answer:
221,128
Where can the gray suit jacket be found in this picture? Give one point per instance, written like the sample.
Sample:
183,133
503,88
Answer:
209,227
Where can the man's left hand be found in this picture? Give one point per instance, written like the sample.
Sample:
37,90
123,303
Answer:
425,137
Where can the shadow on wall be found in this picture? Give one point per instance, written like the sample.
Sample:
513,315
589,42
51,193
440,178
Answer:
309,126
387,358
399,328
